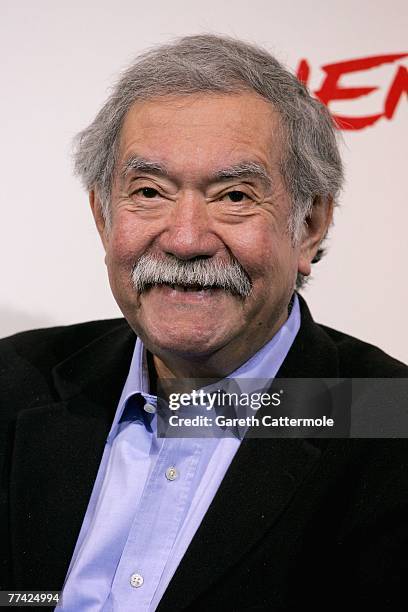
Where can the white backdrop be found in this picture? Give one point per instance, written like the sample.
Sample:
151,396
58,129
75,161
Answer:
58,61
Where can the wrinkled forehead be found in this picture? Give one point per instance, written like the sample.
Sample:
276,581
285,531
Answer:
202,132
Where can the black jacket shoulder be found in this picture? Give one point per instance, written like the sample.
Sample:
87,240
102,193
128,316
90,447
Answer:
50,345
359,359
28,358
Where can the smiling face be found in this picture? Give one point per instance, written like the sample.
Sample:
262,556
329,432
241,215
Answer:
197,179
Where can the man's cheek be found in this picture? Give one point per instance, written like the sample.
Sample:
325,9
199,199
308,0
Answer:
119,262
124,249
120,266
262,263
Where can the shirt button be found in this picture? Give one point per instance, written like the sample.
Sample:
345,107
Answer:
171,473
149,408
136,580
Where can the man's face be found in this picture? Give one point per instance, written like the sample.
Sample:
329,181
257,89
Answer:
205,186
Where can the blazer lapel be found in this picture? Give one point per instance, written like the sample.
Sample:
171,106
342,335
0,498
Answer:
260,482
262,479
313,354
56,455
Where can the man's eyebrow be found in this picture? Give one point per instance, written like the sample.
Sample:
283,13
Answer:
244,170
140,164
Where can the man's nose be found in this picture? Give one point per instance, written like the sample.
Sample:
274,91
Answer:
189,232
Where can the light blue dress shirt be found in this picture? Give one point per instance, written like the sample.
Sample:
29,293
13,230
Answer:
151,494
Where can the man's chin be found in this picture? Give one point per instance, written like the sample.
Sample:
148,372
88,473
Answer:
191,344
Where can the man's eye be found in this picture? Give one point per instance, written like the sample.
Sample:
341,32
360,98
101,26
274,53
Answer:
236,196
146,192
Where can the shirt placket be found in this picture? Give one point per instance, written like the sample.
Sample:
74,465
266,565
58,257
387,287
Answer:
156,524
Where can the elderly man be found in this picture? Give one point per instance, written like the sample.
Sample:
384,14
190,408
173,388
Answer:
212,175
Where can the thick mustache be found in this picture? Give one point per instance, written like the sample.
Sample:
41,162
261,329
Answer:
204,272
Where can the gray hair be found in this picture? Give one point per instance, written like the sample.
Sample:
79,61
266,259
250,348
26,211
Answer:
311,166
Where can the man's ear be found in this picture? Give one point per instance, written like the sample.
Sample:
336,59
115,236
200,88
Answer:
96,207
315,229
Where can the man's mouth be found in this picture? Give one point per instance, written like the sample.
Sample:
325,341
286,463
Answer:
191,287
186,294
186,287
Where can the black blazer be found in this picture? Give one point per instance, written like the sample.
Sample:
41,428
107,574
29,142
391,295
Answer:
295,523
